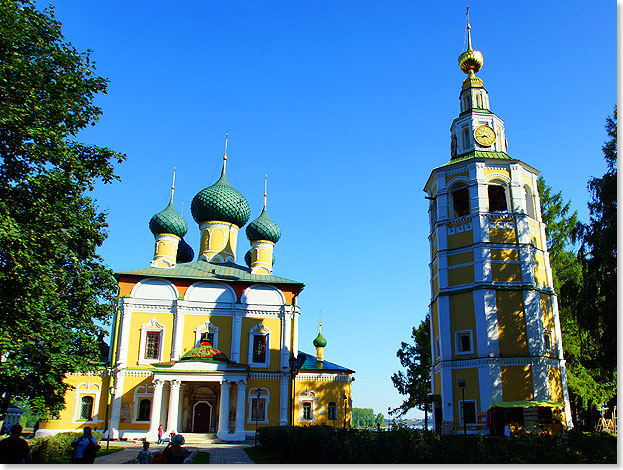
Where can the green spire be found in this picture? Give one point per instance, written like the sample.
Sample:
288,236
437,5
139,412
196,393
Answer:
320,342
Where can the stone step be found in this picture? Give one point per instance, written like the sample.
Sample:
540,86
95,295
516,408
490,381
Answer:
200,437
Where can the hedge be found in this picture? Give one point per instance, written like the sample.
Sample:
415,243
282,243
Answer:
323,444
47,449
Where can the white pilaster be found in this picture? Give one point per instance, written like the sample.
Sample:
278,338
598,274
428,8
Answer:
523,229
178,331
124,334
156,406
516,189
534,325
115,415
286,326
445,330
540,384
239,434
527,264
447,397
442,270
236,336
295,325
484,379
495,379
482,327
491,316
174,403
284,396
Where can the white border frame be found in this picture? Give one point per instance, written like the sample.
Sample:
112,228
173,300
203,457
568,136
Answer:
266,396
456,342
259,330
307,396
151,325
206,327
88,391
142,395
192,424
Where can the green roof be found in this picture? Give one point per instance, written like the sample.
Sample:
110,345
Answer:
210,272
309,362
476,154
168,220
263,228
204,352
526,404
220,202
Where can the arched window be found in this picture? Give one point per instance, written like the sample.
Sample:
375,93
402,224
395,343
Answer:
332,413
144,410
529,202
465,138
478,101
86,408
497,197
460,200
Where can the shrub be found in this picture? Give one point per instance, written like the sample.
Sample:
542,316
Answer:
51,448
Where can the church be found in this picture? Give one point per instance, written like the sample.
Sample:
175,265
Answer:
208,348
496,346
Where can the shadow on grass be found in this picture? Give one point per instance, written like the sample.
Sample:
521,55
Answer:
202,458
259,455
100,453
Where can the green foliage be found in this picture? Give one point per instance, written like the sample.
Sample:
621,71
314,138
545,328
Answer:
326,445
596,300
50,449
379,420
416,358
363,418
52,284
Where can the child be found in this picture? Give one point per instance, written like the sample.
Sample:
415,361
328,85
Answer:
145,456
160,433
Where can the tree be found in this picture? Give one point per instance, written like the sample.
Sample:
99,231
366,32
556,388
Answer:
363,418
380,420
596,298
416,358
53,285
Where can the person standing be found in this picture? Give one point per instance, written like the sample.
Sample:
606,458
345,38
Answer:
160,433
145,456
14,449
85,447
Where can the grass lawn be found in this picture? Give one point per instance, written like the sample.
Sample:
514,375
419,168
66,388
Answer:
202,458
260,456
100,453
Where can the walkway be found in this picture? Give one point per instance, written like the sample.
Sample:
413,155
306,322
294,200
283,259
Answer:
220,453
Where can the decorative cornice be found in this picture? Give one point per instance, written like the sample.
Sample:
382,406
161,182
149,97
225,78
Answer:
264,376
310,377
498,361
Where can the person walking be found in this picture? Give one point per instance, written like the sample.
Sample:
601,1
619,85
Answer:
14,449
160,433
85,447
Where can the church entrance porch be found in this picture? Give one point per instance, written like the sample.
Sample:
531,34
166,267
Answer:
202,412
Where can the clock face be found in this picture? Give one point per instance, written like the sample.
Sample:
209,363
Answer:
484,135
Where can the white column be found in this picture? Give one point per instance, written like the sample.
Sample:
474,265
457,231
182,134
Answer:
116,405
534,324
178,332
174,403
284,398
235,336
447,399
156,405
223,416
295,325
240,411
286,325
445,330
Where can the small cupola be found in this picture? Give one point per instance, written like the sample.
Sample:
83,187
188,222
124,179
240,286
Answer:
319,343
263,233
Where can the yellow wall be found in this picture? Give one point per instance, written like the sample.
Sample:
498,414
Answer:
462,275
513,339
274,325
459,240
547,316
326,392
506,272
274,388
438,383
462,318
461,258
517,383
499,171
137,320
502,235
472,390
554,380
504,255
457,175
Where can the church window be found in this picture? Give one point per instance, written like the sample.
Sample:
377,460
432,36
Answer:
258,409
548,340
468,412
332,414
86,408
259,348
460,200
478,101
152,346
437,348
465,138
464,343
206,331
497,198
307,410
144,410
529,202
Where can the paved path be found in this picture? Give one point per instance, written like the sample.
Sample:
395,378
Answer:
220,453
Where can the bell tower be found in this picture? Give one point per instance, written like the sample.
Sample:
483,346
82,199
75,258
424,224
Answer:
495,331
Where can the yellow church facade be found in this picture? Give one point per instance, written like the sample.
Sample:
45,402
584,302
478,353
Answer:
495,332
207,346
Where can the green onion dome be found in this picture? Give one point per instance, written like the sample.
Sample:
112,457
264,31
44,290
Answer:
168,221
220,202
205,351
185,253
320,342
263,228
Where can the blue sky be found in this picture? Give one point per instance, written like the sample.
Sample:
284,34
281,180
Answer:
347,106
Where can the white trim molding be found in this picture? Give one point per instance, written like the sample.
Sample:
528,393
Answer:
251,396
82,390
307,396
259,330
206,327
151,326
142,392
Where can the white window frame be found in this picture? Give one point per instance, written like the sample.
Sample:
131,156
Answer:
507,196
437,347
151,326
456,342
259,330
329,411
206,327
90,389
461,412
252,395
552,345
140,393
309,397
457,186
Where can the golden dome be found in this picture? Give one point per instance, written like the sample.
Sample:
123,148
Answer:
470,60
